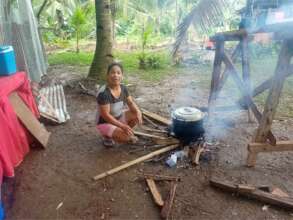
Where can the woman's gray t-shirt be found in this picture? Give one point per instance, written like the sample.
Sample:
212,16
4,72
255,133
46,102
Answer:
105,97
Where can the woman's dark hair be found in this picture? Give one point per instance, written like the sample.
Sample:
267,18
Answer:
112,65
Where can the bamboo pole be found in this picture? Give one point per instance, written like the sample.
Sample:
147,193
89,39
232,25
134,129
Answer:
136,161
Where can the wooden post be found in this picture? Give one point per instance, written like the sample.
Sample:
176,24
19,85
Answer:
275,92
246,70
216,71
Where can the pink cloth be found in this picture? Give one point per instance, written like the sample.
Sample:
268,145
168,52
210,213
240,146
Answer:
14,137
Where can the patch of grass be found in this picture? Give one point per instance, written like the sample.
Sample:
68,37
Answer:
129,61
71,58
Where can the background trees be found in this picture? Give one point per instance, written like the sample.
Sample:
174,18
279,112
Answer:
137,24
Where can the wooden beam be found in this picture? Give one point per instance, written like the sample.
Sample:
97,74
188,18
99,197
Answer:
155,192
254,193
239,83
229,35
255,148
156,117
264,147
275,92
166,210
136,161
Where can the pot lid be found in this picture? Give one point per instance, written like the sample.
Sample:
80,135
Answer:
187,114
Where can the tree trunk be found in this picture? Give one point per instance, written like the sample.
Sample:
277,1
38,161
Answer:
103,54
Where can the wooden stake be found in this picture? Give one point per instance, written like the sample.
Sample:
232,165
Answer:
136,161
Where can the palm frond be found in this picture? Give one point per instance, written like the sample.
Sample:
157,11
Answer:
202,15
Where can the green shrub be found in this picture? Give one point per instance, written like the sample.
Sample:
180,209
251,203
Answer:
154,61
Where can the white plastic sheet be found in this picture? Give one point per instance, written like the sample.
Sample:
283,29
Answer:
18,27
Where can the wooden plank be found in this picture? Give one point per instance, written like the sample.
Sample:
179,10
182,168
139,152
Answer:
166,210
264,147
136,161
158,177
239,83
257,194
156,117
29,120
155,192
272,101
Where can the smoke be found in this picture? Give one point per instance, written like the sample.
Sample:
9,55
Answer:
225,112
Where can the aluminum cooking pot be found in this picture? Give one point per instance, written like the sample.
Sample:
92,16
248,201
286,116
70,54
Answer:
187,123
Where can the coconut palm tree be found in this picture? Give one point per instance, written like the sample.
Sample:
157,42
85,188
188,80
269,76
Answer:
103,53
204,14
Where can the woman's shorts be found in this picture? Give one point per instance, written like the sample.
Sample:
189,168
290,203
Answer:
107,129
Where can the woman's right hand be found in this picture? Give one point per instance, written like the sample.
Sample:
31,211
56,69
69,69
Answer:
127,129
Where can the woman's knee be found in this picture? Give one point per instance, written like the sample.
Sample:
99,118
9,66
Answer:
130,118
120,136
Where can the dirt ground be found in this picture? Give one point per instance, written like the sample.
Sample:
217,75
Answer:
62,174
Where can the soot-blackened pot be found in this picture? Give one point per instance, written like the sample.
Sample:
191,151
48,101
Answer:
187,123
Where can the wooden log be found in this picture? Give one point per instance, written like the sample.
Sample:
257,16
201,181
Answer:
196,155
148,135
166,210
155,192
275,92
239,83
257,194
156,117
158,177
136,161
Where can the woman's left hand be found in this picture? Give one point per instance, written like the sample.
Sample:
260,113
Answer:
139,117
